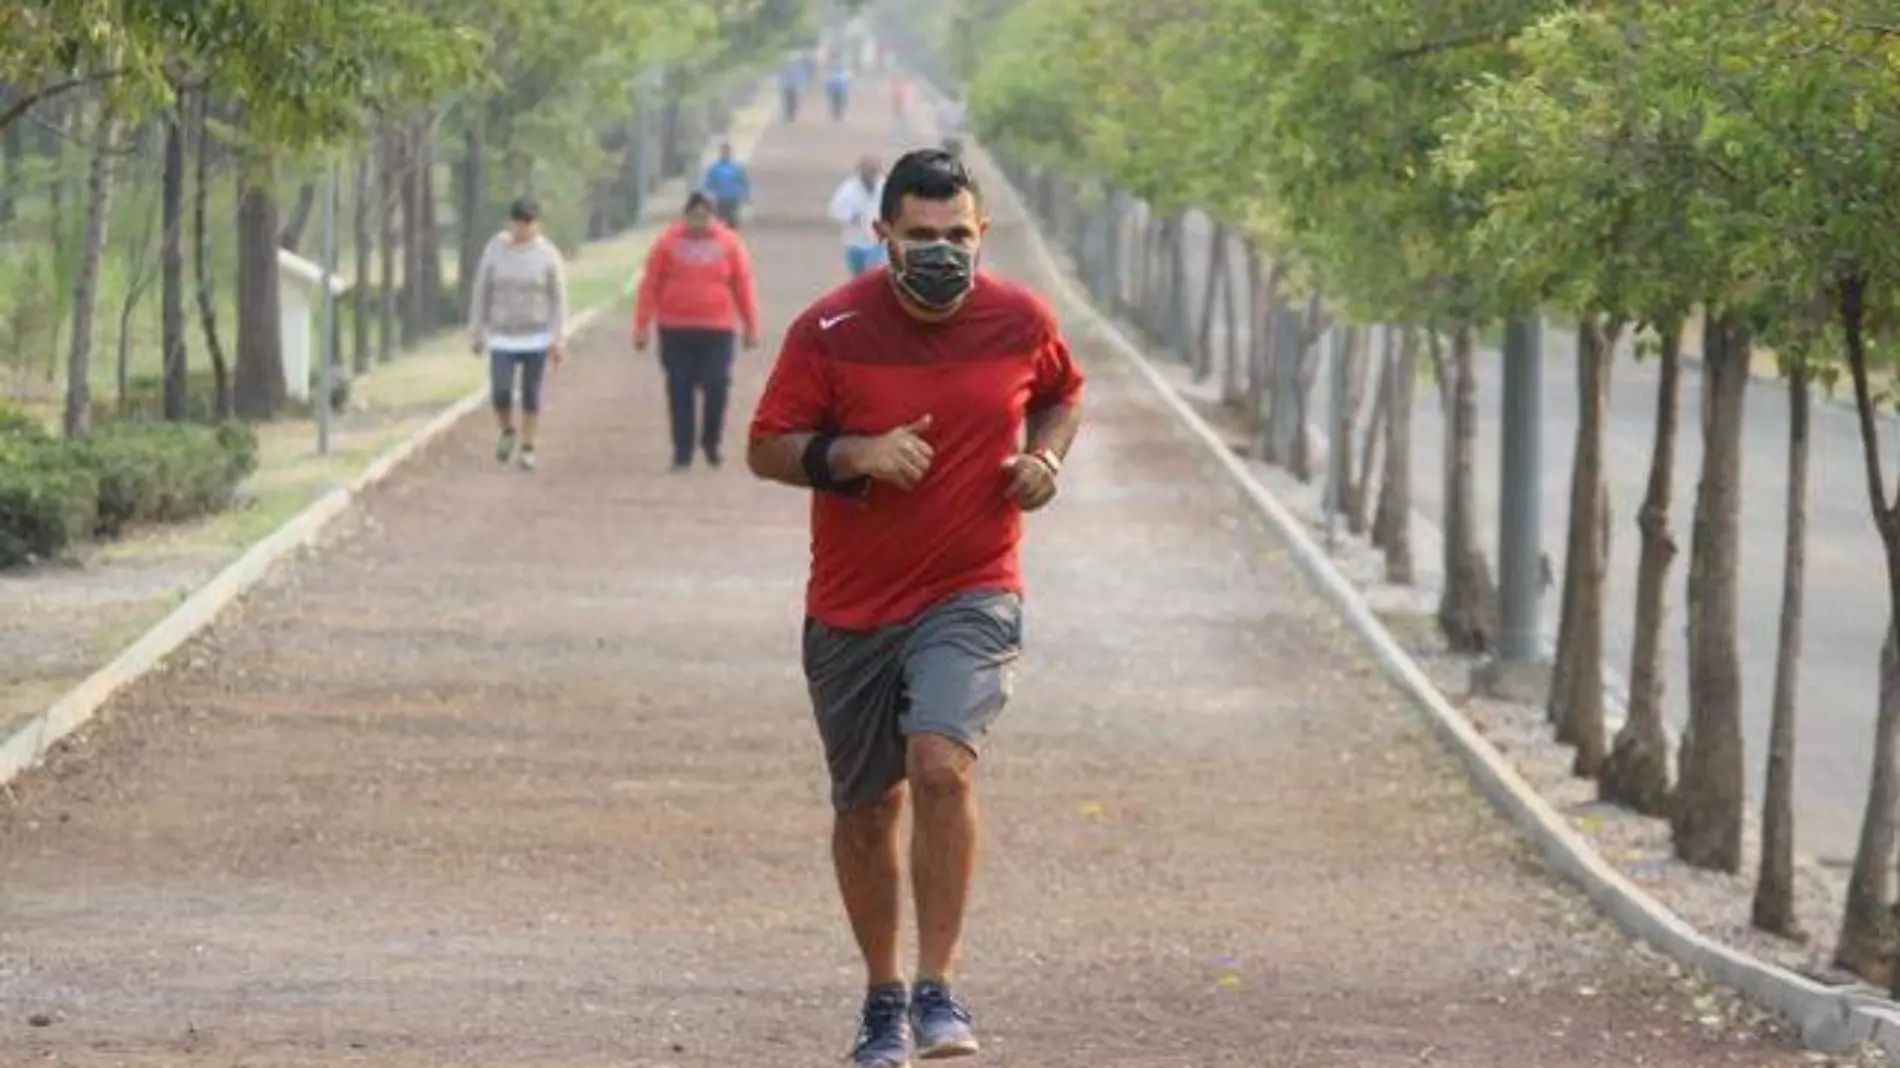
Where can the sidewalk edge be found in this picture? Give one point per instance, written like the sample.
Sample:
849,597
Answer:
1828,1020
32,741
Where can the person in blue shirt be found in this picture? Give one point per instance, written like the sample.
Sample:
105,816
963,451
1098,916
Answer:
838,88
791,79
729,186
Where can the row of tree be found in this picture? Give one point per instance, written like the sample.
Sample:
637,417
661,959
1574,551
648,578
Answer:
1634,167
583,102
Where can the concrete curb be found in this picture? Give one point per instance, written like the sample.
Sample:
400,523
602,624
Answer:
1827,1019
32,741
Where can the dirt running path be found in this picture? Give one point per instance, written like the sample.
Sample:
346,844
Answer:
521,773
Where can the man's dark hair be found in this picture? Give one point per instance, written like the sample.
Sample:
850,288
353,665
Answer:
926,173
524,209
697,199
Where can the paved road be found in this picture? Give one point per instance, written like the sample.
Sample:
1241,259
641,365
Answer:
521,773
1846,605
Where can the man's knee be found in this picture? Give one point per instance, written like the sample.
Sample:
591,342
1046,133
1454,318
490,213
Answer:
502,397
870,821
940,766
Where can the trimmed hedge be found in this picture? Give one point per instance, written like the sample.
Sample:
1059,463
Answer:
55,493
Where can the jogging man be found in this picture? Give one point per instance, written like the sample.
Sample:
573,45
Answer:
729,186
928,407
854,205
518,315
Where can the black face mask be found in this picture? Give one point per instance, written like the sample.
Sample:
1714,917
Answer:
935,274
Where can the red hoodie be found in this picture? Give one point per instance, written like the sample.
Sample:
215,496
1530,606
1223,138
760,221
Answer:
697,280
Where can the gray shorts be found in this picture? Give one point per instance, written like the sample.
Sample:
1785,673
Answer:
947,671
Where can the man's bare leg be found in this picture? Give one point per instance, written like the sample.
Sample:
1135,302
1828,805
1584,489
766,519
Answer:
865,851
943,848
943,866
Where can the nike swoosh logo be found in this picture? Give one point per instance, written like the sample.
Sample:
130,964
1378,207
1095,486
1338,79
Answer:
829,321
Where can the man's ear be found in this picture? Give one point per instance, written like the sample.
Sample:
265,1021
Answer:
881,228
983,226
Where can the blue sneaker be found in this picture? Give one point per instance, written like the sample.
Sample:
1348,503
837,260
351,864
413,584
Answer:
883,1032
941,1022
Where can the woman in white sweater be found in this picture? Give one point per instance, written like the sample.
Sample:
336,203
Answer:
518,315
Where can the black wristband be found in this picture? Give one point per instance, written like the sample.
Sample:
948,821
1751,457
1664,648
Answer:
817,463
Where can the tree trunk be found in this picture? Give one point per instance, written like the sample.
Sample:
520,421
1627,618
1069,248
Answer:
431,253
389,192
1359,500
1216,287
1468,606
1576,697
363,244
1394,516
260,393
1300,465
1260,334
1774,886
1346,420
1638,772
473,200
1177,320
13,146
201,255
292,234
171,268
1706,816
99,175
1866,943
411,176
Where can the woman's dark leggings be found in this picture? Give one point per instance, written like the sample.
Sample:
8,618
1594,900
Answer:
697,362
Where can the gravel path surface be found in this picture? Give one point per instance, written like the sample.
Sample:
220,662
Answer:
520,772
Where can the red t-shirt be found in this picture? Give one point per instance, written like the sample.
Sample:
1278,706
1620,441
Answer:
858,363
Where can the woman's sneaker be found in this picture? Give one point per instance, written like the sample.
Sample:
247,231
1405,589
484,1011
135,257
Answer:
527,458
883,1031
942,1024
505,447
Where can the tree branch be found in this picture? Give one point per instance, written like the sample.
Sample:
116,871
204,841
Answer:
18,109
1449,44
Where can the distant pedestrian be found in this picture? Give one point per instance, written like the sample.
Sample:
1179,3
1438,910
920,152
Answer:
697,287
927,408
518,316
838,89
854,205
900,105
791,82
950,119
729,186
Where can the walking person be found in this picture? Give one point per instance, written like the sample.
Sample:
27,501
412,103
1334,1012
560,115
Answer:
854,205
729,186
950,120
901,94
518,315
791,80
838,88
928,408
697,283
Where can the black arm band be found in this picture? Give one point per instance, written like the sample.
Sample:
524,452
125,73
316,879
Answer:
817,463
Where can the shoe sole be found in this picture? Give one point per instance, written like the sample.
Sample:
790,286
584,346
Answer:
949,1051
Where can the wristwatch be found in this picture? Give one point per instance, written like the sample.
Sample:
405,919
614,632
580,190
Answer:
1049,459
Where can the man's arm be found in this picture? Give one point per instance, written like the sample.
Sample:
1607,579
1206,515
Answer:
1053,427
782,458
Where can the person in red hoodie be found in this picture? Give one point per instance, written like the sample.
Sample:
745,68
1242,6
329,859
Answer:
698,281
